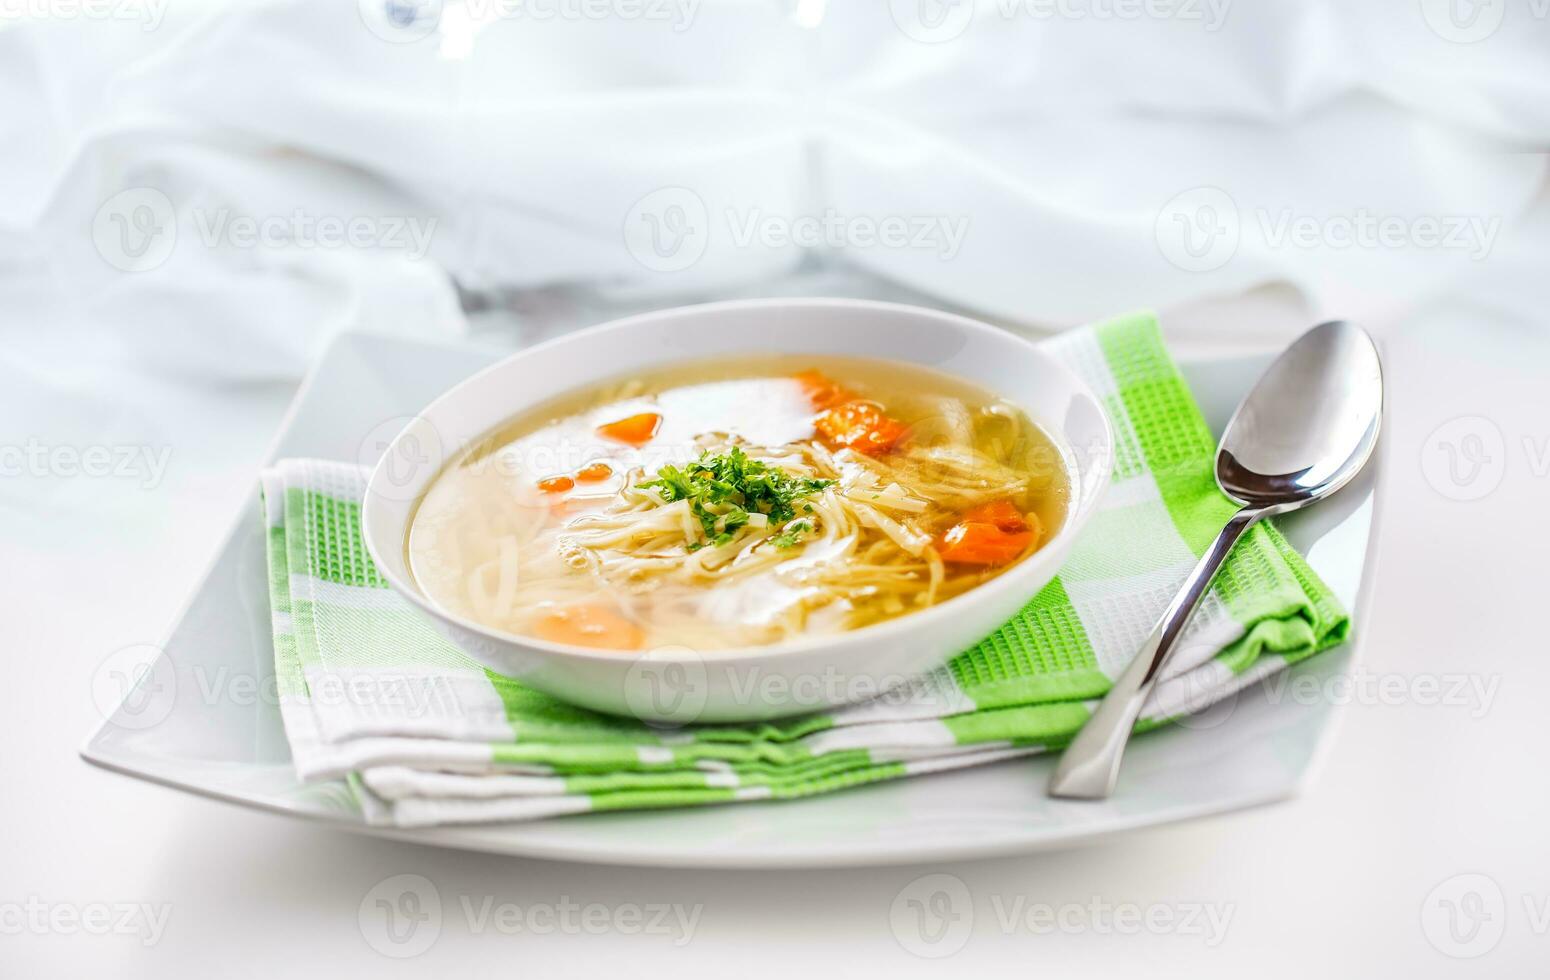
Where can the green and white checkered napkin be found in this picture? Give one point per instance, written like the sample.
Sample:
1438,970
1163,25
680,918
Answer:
424,735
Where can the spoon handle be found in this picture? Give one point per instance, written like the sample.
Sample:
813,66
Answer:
1090,764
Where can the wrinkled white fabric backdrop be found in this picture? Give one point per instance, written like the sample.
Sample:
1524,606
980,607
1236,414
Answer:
1071,145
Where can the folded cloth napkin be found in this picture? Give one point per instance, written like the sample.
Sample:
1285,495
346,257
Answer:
369,692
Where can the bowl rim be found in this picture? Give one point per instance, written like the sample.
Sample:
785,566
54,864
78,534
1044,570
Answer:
864,636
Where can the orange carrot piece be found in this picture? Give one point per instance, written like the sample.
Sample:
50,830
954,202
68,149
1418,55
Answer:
636,430
1002,513
846,421
859,425
589,625
821,391
594,472
556,484
982,544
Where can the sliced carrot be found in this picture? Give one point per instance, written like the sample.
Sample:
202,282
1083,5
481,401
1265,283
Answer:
556,484
846,421
636,430
859,425
821,391
982,544
589,625
594,472
1002,513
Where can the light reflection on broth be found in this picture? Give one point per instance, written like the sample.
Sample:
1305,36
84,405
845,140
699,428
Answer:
736,503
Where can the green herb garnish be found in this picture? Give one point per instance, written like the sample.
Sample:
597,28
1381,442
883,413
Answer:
725,488
791,535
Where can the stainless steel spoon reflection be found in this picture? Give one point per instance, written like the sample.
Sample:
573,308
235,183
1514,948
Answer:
1308,427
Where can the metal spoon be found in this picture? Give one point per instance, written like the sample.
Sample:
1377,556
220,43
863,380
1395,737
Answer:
1306,429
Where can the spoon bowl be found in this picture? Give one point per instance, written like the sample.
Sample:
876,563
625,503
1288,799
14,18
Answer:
1310,424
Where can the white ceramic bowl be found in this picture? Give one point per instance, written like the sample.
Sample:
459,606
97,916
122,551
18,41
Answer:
676,685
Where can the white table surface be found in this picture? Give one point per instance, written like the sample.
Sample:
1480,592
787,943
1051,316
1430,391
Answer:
1413,795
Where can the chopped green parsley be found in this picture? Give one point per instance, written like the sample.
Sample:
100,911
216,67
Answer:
723,489
791,535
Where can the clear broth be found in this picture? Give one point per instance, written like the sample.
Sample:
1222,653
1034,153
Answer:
487,544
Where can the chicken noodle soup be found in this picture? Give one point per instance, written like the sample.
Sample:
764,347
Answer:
737,503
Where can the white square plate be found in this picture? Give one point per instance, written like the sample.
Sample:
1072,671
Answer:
205,720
